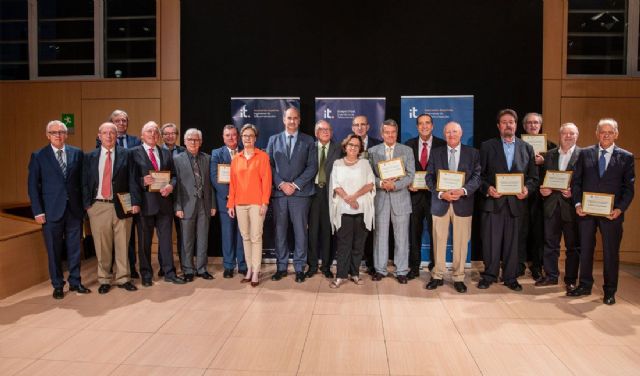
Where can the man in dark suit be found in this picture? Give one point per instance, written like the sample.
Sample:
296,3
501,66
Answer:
602,168
106,174
421,199
157,207
54,184
170,134
232,246
453,206
502,213
294,165
319,222
559,213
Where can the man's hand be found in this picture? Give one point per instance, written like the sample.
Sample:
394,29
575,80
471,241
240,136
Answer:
566,193
615,214
41,220
166,190
231,212
135,209
148,180
388,185
545,191
539,160
493,192
180,214
288,188
522,195
213,212
580,212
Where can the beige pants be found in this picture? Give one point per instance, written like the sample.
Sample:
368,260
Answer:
110,232
251,225
461,236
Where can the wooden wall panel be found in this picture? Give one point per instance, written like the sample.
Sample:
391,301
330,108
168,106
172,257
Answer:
552,38
170,39
551,109
170,103
601,88
116,89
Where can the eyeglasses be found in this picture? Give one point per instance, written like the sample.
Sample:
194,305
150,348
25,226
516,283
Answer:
248,136
354,145
324,129
360,125
58,133
196,140
169,133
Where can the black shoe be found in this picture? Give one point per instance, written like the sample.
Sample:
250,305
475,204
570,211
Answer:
431,266
546,282
160,273
128,286
328,274
310,273
536,273
242,272
228,273
187,277
79,289
521,269
104,288
371,271
205,275
515,286
570,287
58,293
300,276
377,277
175,279
460,287
402,279
135,274
484,284
433,284
147,282
279,275
413,274
609,299
580,291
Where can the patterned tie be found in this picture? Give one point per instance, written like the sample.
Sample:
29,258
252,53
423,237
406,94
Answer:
154,162
106,177
322,174
62,163
602,163
289,141
424,156
389,153
196,173
452,160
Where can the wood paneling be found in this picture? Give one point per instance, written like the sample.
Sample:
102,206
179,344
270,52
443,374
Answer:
601,88
117,89
170,103
170,37
552,41
551,90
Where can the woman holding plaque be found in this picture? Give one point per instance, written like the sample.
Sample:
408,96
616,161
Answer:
351,208
249,192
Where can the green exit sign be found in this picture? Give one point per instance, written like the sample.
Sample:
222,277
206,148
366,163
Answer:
69,121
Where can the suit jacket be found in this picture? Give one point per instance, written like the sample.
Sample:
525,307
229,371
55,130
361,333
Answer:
413,144
132,141
469,163
618,178
300,169
334,152
122,179
176,150
400,199
552,163
219,156
185,194
371,142
494,162
152,202
50,193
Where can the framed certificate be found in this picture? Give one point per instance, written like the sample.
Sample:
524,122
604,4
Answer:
391,169
449,180
420,180
537,141
125,201
509,184
224,173
160,180
558,180
597,203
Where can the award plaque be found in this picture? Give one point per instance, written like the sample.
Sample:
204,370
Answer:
509,184
160,180
597,203
537,141
419,180
125,201
448,180
558,180
224,173
391,169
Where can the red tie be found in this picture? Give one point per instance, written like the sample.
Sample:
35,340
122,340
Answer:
106,177
153,159
424,156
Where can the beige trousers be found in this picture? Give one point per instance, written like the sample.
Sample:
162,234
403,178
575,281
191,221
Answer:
461,236
110,232
251,223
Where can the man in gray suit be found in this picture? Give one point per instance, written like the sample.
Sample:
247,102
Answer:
393,204
194,204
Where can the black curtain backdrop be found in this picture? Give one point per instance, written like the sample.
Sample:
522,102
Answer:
491,49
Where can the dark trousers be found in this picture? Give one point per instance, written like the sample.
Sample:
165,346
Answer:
296,210
500,240
319,231
232,246
554,229
64,232
162,224
132,244
421,211
350,239
611,232
531,243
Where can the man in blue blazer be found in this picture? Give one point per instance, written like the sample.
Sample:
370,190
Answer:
294,165
602,168
453,205
232,246
55,183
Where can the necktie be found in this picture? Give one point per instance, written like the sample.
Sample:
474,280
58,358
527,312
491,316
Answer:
62,163
154,162
289,141
121,141
106,177
602,163
452,160
322,174
196,173
233,153
389,153
424,156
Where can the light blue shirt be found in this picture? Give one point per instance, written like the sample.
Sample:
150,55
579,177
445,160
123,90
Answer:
509,150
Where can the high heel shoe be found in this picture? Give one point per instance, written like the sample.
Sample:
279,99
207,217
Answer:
257,282
246,278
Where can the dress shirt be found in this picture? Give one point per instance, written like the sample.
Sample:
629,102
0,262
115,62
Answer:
64,154
456,156
421,146
156,152
607,157
101,161
509,151
563,158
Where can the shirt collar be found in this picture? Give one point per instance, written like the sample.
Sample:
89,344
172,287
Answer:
505,142
104,150
428,141
609,149
327,145
147,147
569,152
449,148
55,149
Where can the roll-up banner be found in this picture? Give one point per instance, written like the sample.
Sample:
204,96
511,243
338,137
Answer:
339,112
443,109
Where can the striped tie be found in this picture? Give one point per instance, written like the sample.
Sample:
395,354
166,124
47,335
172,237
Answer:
62,163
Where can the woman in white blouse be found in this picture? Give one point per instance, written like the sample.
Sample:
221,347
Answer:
351,191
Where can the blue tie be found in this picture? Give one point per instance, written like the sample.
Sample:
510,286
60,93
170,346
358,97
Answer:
602,163
289,140
121,141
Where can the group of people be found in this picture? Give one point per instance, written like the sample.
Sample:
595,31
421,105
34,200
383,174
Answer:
336,199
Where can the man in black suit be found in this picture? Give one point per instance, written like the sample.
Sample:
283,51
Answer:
602,168
157,207
319,223
559,213
106,174
421,199
502,213
169,133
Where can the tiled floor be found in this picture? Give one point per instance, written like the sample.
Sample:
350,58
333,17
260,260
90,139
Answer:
223,327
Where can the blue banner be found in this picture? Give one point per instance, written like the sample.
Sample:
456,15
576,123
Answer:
339,112
443,109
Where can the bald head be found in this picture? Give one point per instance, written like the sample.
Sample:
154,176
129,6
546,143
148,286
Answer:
453,134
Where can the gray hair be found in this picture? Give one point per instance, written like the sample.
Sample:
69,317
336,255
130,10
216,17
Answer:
150,124
529,114
567,125
168,125
320,122
608,121
192,131
388,123
249,126
109,125
118,113
444,130
56,122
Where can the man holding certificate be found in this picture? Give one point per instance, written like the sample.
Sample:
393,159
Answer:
603,188
453,175
394,168
508,175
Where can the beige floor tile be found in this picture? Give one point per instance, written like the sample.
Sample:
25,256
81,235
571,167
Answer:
226,372
343,356
159,298
488,330
598,360
272,325
65,318
11,366
420,329
545,308
516,359
594,309
291,303
627,332
141,320
346,304
38,294
288,284
201,323
66,368
217,300
177,350
584,332
257,354
22,313
367,288
98,346
131,370
346,327
415,287
413,306
480,305
25,342
427,358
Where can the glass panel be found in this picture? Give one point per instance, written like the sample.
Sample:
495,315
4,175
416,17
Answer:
596,66
596,4
14,40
